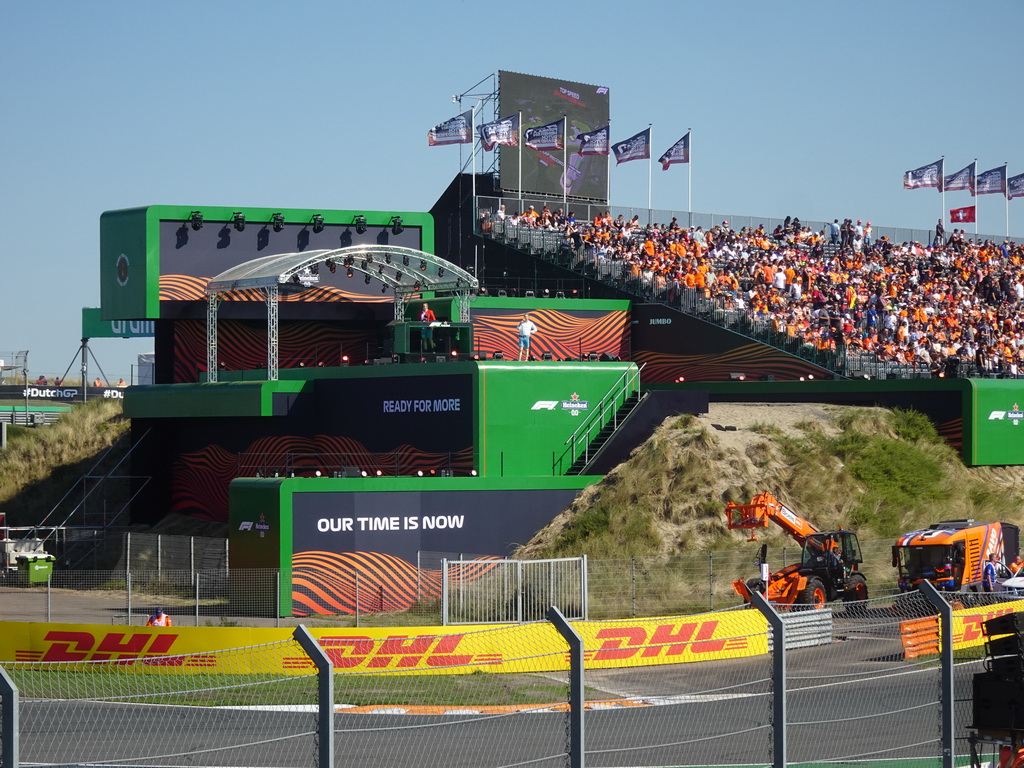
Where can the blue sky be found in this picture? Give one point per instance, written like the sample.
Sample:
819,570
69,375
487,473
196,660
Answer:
797,108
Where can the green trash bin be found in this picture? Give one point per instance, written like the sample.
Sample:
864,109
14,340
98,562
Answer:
37,569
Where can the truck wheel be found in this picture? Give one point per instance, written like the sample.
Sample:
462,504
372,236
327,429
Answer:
813,595
855,595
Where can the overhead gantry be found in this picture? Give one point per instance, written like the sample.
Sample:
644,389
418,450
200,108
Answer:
406,271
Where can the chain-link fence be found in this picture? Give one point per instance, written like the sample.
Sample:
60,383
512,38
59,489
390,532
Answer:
218,596
873,682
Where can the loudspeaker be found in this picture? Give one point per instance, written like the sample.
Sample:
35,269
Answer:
1006,624
998,704
1011,645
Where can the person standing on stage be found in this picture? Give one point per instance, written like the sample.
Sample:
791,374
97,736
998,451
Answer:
526,329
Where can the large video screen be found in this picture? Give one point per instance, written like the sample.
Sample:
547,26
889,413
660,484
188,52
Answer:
544,100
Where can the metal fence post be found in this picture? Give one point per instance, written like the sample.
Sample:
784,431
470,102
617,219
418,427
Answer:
444,591
779,756
632,584
159,556
128,590
49,597
196,575
357,598
945,611
585,588
711,581
9,747
576,700
325,695
277,597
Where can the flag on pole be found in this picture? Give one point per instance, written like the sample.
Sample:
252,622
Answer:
458,130
962,179
992,182
594,142
637,147
677,153
1015,187
503,131
545,136
962,215
926,176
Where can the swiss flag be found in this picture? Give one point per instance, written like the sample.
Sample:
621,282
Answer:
962,214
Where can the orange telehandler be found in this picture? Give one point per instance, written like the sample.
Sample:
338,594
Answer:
828,567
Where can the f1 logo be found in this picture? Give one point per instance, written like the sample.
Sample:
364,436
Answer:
545,405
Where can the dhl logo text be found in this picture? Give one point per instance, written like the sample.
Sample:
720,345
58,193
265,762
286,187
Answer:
973,627
695,638
400,652
148,648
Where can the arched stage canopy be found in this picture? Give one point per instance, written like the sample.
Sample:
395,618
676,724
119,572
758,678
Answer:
405,270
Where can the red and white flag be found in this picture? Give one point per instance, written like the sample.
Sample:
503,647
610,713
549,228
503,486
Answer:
962,215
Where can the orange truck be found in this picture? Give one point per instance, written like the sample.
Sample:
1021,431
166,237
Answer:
829,564
951,554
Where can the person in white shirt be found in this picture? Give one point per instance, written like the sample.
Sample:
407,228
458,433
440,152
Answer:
526,329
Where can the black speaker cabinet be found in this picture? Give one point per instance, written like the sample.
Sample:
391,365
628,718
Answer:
1008,623
998,703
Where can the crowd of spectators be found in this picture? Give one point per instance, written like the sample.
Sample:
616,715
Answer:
951,304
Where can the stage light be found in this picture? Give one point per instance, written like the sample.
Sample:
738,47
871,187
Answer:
380,473
423,265
344,359
348,272
416,287
440,271
331,265
398,275
737,377
680,379
278,221
383,288
369,258
360,222
196,219
472,473
810,377
387,258
396,225
362,264
498,355
559,294
364,473
349,261
547,294
405,261
419,473
366,279
318,223
593,356
545,356
530,295
239,220
317,474
380,270
455,353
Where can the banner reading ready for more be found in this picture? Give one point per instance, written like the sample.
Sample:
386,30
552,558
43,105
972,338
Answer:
496,648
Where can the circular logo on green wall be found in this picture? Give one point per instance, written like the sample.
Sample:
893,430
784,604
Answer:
122,270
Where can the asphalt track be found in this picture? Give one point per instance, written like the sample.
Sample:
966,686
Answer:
682,726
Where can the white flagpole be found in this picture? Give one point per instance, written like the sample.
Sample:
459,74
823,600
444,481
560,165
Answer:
608,166
472,133
974,194
565,164
1006,198
520,129
689,174
942,188
650,165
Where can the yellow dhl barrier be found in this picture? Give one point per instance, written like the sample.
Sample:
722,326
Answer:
496,648
921,636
